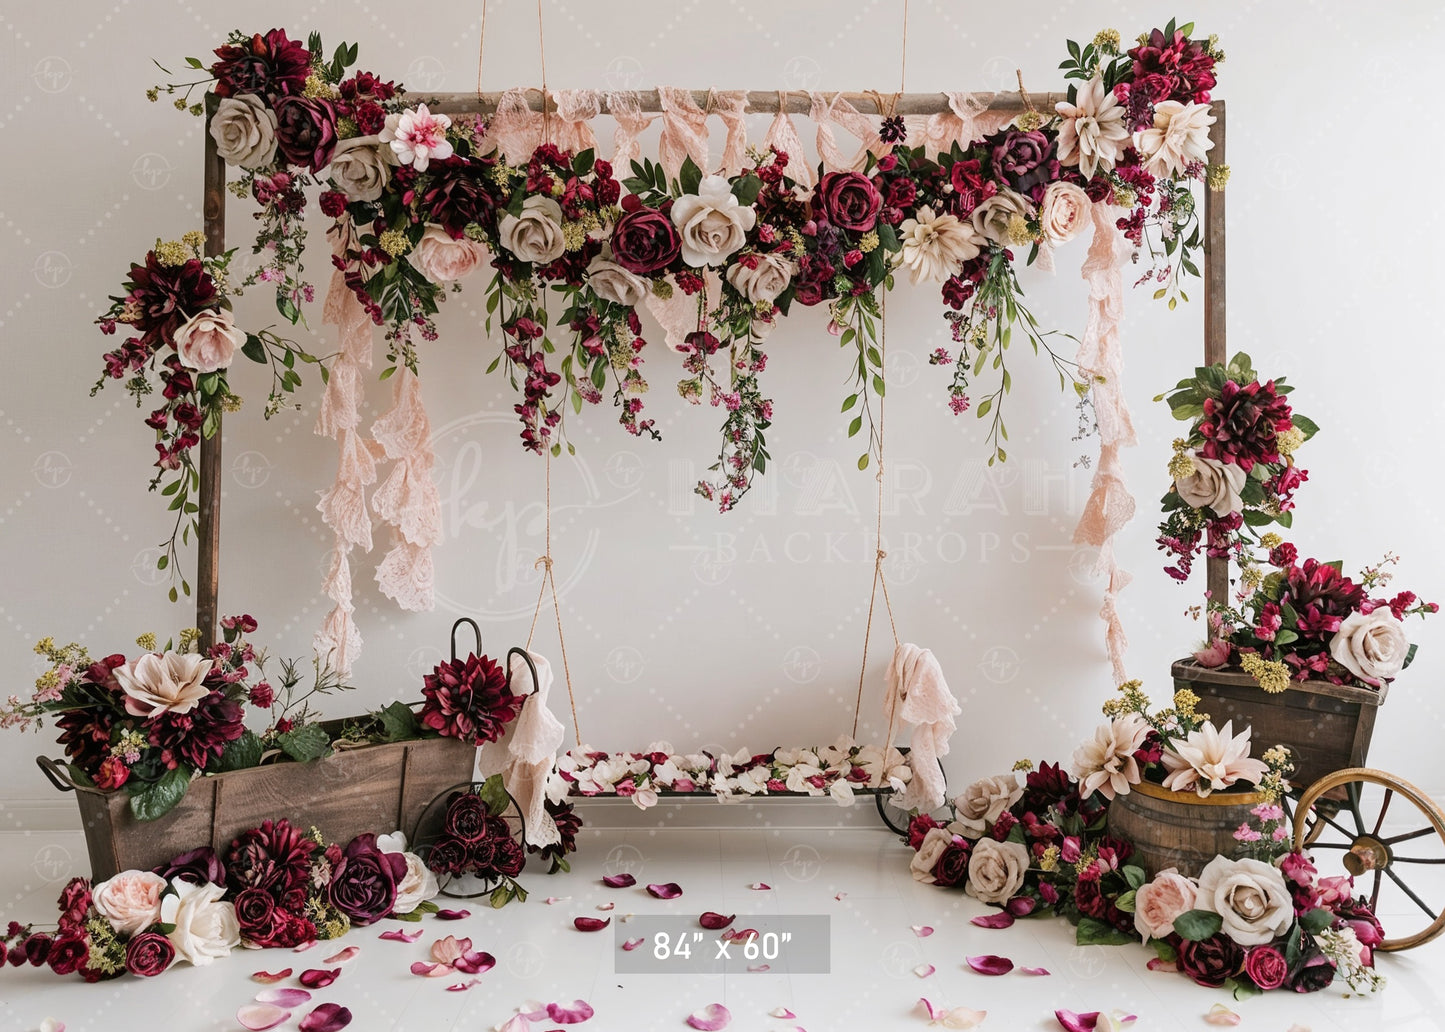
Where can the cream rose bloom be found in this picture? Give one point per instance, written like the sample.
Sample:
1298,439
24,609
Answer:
1179,136
1251,897
992,217
996,870
361,167
131,901
169,682
1093,133
932,847
1213,485
1106,762
1159,902
418,884
1064,211
244,129
612,282
208,341
536,234
712,223
443,260
981,803
765,280
205,925
935,245
1372,646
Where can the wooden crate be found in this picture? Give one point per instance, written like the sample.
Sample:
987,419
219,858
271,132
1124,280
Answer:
1327,726
379,788
1179,829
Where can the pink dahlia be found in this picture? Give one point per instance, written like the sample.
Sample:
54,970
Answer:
1242,424
1321,595
469,699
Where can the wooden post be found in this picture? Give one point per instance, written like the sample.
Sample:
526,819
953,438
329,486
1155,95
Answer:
1215,349
208,519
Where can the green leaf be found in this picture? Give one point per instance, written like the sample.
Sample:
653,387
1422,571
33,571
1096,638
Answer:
984,406
689,177
160,797
398,723
1242,989
849,402
583,162
253,348
1316,920
746,189
855,426
1093,932
305,743
863,461
494,794
1135,876
242,753
1125,902
1195,925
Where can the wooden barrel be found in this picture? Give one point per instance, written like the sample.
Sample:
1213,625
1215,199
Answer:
1179,829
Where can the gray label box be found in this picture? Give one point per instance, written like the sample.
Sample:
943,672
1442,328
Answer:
789,944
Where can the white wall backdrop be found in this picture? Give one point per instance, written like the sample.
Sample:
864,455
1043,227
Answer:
742,629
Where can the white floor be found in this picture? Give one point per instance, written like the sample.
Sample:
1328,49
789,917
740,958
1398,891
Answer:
857,875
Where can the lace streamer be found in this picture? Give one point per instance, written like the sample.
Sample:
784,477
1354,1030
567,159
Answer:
828,113
783,134
684,130
408,501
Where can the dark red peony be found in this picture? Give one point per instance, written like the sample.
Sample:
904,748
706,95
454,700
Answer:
447,857
952,866
268,65
148,954
74,903
469,699
918,829
276,858
644,241
1313,971
457,195
197,866
69,952
1321,595
197,738
508,858
1243,423
306,131
467,818
363,884
1024,160
263,923
1212,961
848,200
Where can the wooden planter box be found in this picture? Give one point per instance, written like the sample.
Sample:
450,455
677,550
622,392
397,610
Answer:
378,788
1326,726
1179,829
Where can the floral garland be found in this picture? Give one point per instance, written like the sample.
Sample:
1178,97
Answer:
1044,847
837,770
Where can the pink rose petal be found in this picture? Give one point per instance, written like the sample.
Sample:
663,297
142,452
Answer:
604,907
781,1012
270,977
759,968
758,886
461,987
260,1016
1073,1022
1034,971
449,949
474,962
287,998
517,1023
619,881
426,970
590,924
922,931
632,944
341,958
397,935
303,947
453,915
991,965
580,1011
841,896
714,922
318,978
998,919
711,1018
326,1017
924,970
1219,1014
553,900
958,1017
669,890
1158,964
739,935
1021,906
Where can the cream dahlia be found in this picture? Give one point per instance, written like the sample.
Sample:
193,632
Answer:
935,245
1106,762
1179,137
1211,759
1093,132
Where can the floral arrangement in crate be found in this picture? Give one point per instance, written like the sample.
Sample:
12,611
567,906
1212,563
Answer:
1265,920
177,306
422,198
836,770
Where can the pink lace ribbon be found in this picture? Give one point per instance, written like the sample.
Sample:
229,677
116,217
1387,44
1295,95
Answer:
731,108
678,314
839,112
408,501
1110,505
571,123
967,119
632,122
783,134
684,130
515,127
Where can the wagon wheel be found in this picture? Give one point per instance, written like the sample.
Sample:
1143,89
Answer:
1347,831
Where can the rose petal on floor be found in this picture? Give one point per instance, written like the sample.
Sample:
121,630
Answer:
397,935
667,890
922,931
759,886
957,1017
990,964
998,919
715,922
1219,1014
51,1025
326,1017
453,915
461,987
270,977
619,881
516,1023
590,924
924,970
632,944
841,896
759,968
711,1018
741,935
580,1011
260,1016
287,998
553,900
1034,971
1157,964
426,970
1074,1022
318,978
341,958
604,907
303,947
781,1012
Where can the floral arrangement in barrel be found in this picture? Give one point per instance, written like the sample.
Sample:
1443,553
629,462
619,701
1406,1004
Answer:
1260,920
575,247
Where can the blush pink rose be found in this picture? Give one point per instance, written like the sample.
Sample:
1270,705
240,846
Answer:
1158,903
443,260
1063,213
131,901
208,341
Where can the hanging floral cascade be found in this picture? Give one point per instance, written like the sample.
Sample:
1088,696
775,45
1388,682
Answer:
575,244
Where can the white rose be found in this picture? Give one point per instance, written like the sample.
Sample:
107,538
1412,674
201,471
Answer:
765,280
612,282
443,260
1250,896
1213,485
1179,137
361,168
208,340
981,803
996,870
992,218
1371,646
244,129
1064,211
418,885
929,850
711,222
205,925
131,901
170,682
536,234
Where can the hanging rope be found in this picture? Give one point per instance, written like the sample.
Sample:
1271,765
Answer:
548,580
542,54
903,58
481,47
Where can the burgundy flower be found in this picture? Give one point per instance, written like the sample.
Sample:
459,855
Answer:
1211,961
148,954
1283,555
457,195
481,857
1357,914
166,296
1266,967
1183,63
509,858
112,773
1046,786
1313,971
901,192
1321,595
918,829
1242,424
1089,897
952,866
270,65
466,818
363,885
1024,160
276,858
469,699
645,242
848,200
1284,484
970,188
197,738
265,924
37,948
69,952
261,695
306,131
85,736
447,857
74,902
197,866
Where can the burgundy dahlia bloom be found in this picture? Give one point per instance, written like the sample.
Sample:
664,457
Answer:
268,65
306,131
166,296
457,195
197,738
85,735
276,858
1242,424
1183,63
1321,595
469,699
1046,786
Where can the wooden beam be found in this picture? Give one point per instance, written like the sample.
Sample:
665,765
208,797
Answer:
1215,349
761,102
208,519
